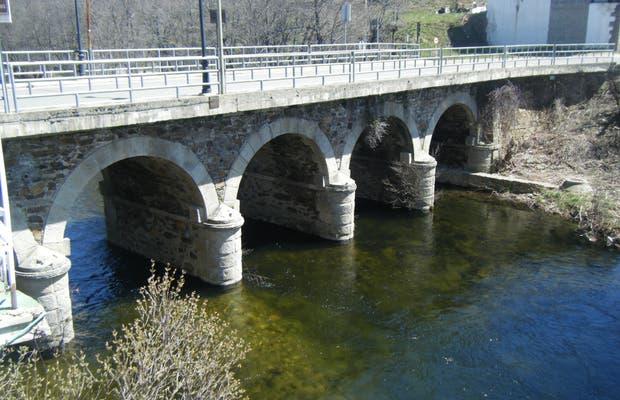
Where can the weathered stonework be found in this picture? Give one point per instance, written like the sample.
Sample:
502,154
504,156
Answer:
44,276
480,157
425,180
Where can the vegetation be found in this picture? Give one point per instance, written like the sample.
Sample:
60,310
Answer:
498,119
577,141
432,25
175,349
50,24
403,186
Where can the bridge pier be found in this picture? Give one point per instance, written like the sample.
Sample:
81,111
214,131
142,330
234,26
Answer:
321,210
210,250
223,264
44,276
424,190
372,174
336,205
480,157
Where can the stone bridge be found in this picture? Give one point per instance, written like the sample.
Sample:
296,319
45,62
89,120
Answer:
179,177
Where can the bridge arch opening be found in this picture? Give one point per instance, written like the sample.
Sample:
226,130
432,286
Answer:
155,209
151,196
283,182
451,134
383,143
90,169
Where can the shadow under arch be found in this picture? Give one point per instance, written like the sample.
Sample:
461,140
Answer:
395,111
312,135
462,125
112,153
380,147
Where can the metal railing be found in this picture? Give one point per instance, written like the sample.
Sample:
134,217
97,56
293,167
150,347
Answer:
128,76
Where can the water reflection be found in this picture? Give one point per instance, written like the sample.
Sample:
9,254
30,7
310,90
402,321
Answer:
474,299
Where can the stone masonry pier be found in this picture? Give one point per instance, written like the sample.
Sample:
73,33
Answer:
179,177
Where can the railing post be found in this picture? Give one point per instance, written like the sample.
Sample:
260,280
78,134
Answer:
505,57
352,68
555,48
440,68
5,93
129,84
13,88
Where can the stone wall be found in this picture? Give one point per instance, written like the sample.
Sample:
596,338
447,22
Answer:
155,234
37,167
281,202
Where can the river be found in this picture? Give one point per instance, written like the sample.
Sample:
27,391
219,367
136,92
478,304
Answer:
474,300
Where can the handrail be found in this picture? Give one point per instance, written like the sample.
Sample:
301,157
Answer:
251,68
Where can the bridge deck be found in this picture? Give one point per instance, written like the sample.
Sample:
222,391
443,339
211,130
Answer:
41,122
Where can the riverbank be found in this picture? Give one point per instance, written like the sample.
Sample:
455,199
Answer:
578,143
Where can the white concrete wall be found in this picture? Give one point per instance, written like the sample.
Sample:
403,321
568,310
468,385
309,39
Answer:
518,21
600,22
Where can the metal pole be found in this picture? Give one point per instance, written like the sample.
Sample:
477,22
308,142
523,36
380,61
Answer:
220,34
80,51
440,69
5,92
203,42
352,68
89,38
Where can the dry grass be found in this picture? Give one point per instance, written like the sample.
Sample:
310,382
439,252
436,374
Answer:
580,141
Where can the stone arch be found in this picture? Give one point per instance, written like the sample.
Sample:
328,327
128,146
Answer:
119,150
463,99
398,111
297,126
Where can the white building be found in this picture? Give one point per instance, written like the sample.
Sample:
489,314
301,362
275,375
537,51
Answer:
552,21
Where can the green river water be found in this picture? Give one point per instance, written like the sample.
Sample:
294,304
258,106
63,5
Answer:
475,300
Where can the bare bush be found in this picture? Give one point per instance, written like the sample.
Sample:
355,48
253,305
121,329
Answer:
175,349
50,24
377,129
499,118
403,186
581,141
24,377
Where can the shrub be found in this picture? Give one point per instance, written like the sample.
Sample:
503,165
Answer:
499,117
403,186
377,129
174,349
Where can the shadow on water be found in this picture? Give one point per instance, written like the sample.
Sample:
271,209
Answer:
473,299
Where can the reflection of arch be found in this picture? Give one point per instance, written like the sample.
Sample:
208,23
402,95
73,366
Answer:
463,99
397,111
297,126
114,152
